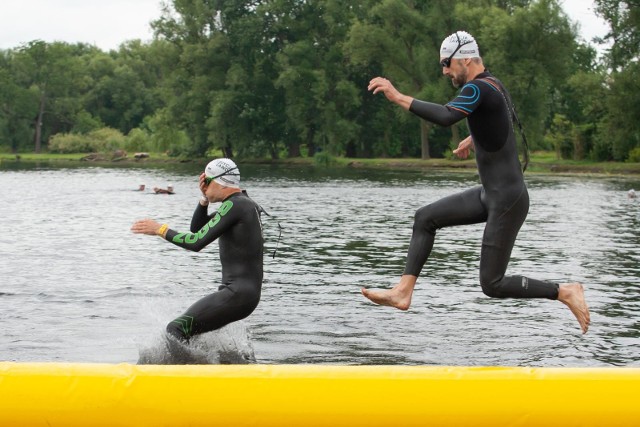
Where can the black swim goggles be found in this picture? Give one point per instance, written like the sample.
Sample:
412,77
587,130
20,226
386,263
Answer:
446,62
208,179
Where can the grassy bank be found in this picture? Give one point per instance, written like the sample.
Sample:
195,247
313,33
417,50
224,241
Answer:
540,162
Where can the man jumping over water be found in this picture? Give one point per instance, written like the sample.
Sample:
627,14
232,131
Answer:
501,201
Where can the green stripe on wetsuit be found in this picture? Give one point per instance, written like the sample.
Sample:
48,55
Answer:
194,237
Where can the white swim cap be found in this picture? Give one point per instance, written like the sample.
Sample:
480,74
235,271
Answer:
224,171
462,43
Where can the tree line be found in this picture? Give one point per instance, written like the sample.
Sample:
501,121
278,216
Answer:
288,78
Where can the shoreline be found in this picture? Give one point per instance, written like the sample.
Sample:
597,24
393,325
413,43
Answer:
539,163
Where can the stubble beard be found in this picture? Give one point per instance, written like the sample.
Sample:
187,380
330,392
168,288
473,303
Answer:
459,80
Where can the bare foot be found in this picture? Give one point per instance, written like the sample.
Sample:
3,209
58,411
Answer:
399,296
572,295
389,297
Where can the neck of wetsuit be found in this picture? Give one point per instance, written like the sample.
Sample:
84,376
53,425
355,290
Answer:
231,195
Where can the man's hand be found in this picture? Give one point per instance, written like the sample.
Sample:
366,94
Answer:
201,183
146,226
464,148
380,84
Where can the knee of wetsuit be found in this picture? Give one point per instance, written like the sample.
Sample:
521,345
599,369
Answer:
175,330
423,219
490,288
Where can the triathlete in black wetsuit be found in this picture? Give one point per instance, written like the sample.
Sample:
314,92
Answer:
236,224
501,200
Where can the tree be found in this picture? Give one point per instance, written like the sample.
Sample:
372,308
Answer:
622,102
321,100
623,17
53,73
124,84
17,107
403,37
623,99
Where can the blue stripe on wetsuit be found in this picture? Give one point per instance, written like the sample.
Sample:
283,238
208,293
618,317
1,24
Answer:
462,101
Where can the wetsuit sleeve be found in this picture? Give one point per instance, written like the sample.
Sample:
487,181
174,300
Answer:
435,113
454,111
224,218
200,217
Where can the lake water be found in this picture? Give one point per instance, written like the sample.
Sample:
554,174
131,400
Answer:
77,286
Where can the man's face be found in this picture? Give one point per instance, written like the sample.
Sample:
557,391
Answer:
214,192
457,72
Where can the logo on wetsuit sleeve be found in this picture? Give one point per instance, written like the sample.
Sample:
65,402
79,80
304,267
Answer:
194,237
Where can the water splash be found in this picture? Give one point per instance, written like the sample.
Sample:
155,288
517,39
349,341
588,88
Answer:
228,345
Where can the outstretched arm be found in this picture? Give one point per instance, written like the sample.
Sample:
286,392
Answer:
224,218
435,113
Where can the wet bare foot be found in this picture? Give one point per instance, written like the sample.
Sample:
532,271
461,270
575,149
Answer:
389,297
399,296
572,295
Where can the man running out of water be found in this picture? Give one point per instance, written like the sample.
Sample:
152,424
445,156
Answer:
237,227
501,201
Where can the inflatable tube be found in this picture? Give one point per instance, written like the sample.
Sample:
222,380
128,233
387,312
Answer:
69,395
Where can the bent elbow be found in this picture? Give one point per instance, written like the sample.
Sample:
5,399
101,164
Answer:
448,122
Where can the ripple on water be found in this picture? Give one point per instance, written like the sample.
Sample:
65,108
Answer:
77,285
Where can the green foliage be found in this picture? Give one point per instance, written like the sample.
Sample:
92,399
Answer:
85,123
401,40
163,136
107,138
634,155
72,143
623,17
289,78
622,126
138,140
324,159
103,140
561,136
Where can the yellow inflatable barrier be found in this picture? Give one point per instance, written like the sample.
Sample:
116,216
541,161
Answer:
69,395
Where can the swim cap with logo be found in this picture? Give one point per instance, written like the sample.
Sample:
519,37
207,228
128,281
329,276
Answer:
224,171
466,46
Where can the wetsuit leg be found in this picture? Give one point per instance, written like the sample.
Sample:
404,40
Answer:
458,209
214,311
497,243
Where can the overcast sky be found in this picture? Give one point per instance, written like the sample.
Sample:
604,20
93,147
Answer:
108,23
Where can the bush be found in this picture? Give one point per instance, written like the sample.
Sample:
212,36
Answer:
323,158
634,155
107,139
98,141
138,141
70,143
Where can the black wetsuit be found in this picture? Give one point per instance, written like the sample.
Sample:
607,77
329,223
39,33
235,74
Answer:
502,201
236,225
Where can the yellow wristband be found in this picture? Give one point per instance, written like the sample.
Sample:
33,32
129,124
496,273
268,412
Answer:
162,231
